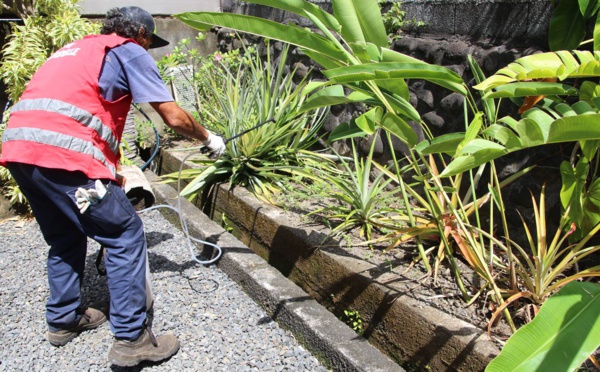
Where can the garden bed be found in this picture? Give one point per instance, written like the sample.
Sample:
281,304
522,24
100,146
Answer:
416,322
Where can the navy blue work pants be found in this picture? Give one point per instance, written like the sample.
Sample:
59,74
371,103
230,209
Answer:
112,222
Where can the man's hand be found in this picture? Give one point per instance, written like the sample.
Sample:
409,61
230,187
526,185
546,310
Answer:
121,179
214,144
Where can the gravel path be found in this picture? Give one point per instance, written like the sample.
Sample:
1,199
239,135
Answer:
220,328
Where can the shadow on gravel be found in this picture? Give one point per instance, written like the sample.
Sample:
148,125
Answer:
154,238
94,287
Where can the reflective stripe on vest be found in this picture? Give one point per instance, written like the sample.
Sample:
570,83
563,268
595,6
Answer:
73,112
64,141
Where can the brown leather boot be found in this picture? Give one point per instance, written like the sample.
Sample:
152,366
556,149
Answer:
145,348
93,317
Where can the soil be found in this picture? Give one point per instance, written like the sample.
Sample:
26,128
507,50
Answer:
402,270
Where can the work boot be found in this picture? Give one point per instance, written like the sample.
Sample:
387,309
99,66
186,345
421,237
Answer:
145,348
92,317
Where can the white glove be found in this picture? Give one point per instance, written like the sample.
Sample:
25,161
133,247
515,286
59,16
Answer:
215,144
88,197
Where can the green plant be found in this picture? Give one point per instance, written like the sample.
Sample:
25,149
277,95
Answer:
225,223
353,51
257,93
353,319
52,24
569,22
454,225
563,334
362,201
580,195
553,122
144,133
544,266
394,19
47,26
11,191
389,264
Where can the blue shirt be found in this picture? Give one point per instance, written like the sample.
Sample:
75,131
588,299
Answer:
128,68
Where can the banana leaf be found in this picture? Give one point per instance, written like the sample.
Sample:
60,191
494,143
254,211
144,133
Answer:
575,128
366,52
393,70
466,162
489,105
301,7
525,89
263,27
443,144
400,128
535,130
345,131
588,91
329,96
361,21
370,120
567,27
560,65
563,334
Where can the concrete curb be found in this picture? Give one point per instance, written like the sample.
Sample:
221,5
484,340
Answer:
329,339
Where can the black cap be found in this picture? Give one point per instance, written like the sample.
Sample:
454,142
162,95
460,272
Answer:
141,16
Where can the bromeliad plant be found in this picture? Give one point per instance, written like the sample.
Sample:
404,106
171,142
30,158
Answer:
257,93
546,265
363,202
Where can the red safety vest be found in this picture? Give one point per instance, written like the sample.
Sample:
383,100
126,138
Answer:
62,121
